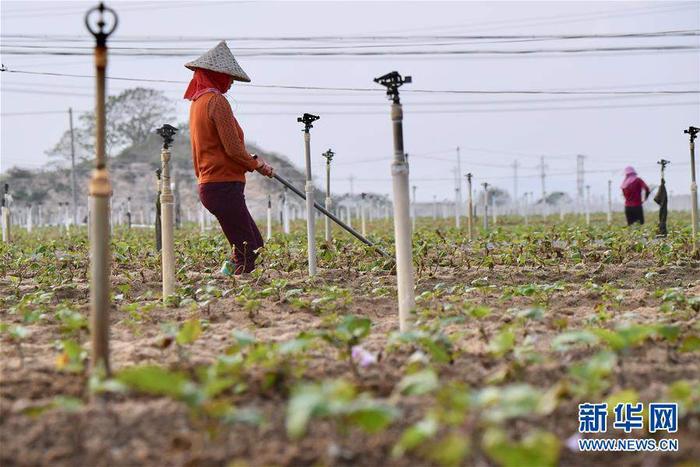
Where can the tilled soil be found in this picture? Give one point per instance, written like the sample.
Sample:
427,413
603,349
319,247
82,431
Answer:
137,430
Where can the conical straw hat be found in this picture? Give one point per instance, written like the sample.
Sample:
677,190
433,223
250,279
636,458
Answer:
222,60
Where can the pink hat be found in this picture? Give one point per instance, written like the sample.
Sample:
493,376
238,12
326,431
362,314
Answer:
629,170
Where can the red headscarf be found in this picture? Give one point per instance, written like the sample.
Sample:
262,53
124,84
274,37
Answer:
205,81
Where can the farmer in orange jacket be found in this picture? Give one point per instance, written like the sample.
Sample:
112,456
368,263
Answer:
219,156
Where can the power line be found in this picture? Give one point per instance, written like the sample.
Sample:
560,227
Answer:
349,38
434,53
325,88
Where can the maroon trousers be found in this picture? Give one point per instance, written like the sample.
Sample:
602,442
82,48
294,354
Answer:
226,201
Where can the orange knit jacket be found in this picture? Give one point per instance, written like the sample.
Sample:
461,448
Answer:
218,145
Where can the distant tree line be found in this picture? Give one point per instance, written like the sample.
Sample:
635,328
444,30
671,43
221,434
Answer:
132,116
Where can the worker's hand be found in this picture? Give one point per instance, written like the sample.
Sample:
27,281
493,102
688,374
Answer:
264,168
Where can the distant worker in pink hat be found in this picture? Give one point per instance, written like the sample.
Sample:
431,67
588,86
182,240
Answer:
632,187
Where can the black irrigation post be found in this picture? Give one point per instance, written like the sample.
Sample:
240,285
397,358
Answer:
661,199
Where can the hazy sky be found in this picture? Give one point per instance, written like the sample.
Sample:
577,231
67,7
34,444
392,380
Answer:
492,134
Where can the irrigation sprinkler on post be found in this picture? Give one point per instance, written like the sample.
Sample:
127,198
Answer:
307,120
100,190
329,157
128,212
588,205
285,212
167,205
470,208
30,220
486,205
662,200
269,216
413,210
692,132
5,214
402,223
609,202
458,191
363,213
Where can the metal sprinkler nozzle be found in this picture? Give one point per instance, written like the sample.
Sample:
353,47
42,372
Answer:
307,119
328,155
393,81
693,132
166,132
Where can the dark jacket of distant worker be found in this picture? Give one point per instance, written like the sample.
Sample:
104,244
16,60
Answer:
219,156
632,187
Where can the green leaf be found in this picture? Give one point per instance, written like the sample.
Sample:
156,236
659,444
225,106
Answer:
479,312
421,382
503,342
415,435
372,417
566,340
189,332
451,450
243,339
353,328
304,403
536,449
690,344
154,380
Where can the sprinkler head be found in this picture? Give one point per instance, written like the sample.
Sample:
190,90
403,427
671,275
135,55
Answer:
393,81
307,120
166,132
692,131
328,155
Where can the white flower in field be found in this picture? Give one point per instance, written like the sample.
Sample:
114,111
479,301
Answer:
363,357
572,442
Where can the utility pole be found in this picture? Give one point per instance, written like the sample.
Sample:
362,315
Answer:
458,191
329,157
692,132
402,226
470,208
167,214
307,119
486,205
74,192
100,190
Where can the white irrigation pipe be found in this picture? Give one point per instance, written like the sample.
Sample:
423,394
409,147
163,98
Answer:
363,214
692,132
486,205
328,202
167,216
402,221
470,208
458,191
5,215
285,212
269,216
588,205
609,202
307,120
